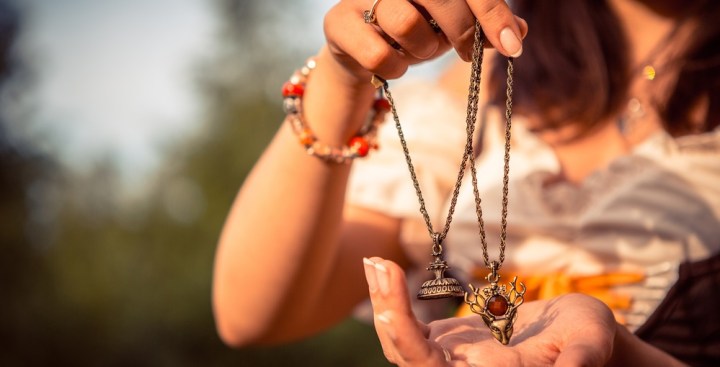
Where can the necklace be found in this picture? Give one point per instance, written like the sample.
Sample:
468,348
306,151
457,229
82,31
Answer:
496,304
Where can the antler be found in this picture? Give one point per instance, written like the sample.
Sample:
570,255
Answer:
475,306
515,296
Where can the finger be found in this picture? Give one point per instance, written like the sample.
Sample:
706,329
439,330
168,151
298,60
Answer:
396,318
456,21
385,334
404,23
499,25
353,42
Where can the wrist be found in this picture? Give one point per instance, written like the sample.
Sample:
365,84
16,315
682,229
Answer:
629,350
336,102
363,139
348,73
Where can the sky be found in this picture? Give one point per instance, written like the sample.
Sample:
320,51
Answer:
116,78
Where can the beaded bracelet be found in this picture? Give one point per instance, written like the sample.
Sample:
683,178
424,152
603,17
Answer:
358,146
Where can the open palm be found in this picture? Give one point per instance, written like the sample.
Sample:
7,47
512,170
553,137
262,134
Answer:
570,330
567,330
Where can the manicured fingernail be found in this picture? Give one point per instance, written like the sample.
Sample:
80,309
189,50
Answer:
510,42
383,279
370,275
386,320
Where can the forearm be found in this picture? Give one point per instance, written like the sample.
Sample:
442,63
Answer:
629,350
281,235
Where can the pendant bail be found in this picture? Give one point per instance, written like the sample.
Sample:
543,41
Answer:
440,286
437,244
493,277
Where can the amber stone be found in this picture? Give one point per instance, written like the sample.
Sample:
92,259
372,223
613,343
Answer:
497,305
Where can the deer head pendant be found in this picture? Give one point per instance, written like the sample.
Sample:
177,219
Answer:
497,305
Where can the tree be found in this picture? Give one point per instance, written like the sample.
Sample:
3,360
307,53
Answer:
92,277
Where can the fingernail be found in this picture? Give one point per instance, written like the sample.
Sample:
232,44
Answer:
386,320
510,42
370,275
383,280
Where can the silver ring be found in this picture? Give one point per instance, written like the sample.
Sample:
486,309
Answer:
369,15
448,357
434,25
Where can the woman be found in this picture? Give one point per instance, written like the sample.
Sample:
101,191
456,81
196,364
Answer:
611,194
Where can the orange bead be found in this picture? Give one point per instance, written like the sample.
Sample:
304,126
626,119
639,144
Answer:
306,138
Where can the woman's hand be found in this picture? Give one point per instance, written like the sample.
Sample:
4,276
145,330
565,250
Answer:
571,330
402,34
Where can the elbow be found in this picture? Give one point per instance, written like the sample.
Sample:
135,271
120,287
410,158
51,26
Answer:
236,324
247,332
234,336
241,320
236,332
242,327
229,336
241,324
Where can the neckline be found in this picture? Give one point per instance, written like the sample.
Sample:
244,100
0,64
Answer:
542,157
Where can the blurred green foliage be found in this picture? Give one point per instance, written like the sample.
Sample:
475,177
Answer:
91,275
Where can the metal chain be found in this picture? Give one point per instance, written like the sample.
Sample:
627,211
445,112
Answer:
438,237
468,155
506,181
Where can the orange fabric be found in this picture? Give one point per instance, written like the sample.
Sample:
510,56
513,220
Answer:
556,284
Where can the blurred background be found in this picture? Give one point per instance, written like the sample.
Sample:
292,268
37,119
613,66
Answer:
126,128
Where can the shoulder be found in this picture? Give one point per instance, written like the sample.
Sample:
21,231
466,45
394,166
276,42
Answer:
707,143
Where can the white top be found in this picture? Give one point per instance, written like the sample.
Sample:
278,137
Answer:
644,214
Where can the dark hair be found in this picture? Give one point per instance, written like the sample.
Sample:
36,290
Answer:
699,78
576,67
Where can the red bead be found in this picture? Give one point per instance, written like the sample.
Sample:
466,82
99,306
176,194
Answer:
292,90
497,305
360,145
381,104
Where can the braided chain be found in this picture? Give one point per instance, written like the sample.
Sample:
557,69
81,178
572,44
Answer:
468,155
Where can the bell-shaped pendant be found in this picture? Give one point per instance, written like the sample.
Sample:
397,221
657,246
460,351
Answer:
440,287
